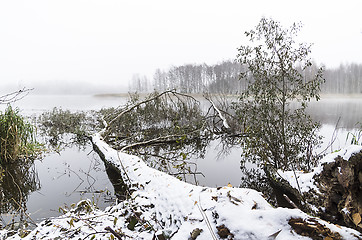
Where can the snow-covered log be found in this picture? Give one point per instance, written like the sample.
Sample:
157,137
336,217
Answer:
162,207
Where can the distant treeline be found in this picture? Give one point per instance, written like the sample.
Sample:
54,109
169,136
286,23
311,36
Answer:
345,79
224,78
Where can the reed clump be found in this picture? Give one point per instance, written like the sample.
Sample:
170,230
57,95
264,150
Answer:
17,139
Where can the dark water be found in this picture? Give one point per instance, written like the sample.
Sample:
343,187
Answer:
75,174
67,178
58,179
64,179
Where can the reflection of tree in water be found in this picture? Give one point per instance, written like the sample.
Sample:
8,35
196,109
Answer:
175,158
19,180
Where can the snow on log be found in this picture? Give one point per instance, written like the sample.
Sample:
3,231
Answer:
163,207
224,121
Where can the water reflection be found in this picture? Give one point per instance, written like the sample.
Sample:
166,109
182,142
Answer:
176,159
331,109
20,179
33,191
66,178
120,188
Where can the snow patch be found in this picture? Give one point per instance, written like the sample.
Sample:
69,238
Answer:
305,180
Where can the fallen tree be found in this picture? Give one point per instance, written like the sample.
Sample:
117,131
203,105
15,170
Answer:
160,206
212,206
168,129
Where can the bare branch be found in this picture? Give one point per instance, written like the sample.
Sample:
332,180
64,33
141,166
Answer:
15,96
224,121
138,104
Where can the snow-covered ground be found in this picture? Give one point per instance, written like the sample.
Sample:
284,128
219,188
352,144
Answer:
160,203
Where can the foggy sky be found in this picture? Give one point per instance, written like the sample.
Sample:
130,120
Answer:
105,42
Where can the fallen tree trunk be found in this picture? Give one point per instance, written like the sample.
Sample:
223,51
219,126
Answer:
161,206
181,208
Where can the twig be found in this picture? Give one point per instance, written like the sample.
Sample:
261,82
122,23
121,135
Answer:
117,235
94,233
296,179
206,220
190,173
333,139
82,181
14,96
24,211
161,139
290,201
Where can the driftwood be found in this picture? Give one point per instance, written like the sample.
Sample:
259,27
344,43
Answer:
224,119
221,116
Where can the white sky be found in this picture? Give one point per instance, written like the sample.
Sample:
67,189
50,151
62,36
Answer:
107,41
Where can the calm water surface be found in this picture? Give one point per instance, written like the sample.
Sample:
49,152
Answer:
75,174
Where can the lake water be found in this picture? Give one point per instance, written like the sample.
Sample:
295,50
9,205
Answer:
75,174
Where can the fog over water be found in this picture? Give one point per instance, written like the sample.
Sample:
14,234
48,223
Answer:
65,87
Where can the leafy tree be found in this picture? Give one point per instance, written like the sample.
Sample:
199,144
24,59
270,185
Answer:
279,132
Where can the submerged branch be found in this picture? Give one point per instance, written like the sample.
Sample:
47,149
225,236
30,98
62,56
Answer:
158,140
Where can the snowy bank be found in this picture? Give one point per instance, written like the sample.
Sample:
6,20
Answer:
161,205
306,181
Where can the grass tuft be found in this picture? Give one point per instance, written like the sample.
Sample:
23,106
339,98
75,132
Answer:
17,139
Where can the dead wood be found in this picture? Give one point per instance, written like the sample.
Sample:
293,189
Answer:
340,184
313,229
